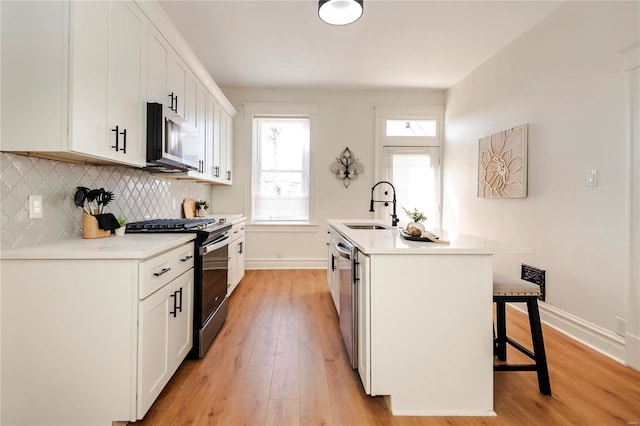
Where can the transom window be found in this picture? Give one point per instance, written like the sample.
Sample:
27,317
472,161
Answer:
411,127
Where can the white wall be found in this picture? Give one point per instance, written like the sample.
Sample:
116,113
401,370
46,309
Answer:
346,118
565,78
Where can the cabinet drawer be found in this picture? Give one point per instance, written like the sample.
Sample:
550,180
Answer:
158,271
237,230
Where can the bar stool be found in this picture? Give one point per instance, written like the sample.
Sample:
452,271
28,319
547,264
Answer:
510,290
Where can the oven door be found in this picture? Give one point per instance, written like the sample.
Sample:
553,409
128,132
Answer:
215,266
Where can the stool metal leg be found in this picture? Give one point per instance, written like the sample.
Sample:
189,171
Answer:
538,346
501,325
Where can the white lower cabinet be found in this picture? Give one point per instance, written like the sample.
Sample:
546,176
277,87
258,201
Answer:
90,341
236,256
165,336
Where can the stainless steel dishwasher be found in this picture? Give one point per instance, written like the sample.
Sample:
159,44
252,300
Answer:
347,267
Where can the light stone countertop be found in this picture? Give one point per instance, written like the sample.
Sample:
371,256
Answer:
231,218
389,241
129,246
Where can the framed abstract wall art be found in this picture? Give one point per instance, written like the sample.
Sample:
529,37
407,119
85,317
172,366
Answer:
502,164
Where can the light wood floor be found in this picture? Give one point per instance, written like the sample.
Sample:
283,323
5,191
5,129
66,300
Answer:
279,360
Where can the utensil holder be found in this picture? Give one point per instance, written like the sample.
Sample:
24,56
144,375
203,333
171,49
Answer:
90,227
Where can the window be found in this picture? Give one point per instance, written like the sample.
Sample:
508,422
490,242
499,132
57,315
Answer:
407,153
281,169
414,172
411,127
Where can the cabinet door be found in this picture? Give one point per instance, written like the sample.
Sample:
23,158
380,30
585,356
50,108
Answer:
165,337
35,47
106,81
154,364
89,79
193,142
127,82
191,99
364,322
158,51
181,326
200,150
208,136
226,143
240,261
176,85
216,164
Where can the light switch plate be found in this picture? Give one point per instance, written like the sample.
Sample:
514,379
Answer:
592,178
35,206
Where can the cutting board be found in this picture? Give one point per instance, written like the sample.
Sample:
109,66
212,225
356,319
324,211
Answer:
189,207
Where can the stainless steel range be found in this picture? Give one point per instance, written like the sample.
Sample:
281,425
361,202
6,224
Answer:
211,271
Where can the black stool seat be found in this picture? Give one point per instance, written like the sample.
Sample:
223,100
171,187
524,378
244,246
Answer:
510,290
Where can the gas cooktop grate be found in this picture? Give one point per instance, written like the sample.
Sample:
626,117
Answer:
159,224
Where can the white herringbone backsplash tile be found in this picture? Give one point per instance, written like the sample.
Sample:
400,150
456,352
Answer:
138,195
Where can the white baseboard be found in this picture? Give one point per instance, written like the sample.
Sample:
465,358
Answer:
633,351
286,263
591,335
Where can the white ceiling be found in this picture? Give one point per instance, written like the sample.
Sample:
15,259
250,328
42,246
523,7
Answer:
395,44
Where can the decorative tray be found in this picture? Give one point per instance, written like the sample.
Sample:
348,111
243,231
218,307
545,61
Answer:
404,234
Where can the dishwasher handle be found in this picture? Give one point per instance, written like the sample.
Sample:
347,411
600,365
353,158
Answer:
344,250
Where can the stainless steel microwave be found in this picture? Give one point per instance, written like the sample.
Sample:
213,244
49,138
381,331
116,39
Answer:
170,142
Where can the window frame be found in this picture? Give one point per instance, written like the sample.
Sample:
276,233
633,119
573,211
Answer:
253,111
384,113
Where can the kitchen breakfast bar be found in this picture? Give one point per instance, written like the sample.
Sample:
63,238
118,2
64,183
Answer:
423,318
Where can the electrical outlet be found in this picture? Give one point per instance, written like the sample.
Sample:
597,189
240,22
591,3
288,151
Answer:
536,276
621,326
35,206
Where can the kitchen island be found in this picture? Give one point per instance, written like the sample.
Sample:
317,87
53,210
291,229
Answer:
424,319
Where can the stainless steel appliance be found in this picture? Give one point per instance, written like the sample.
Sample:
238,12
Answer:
211,269
172,144
347,264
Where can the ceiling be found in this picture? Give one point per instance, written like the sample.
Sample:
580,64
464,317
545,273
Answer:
395,44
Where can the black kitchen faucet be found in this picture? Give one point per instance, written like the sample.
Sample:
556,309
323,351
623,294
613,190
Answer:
394,217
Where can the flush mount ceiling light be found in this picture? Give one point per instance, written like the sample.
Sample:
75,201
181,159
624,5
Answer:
340,12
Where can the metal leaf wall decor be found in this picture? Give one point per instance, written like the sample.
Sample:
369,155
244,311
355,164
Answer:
346,167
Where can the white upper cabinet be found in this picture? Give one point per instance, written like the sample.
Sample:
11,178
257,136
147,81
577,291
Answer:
177,72
166,76
212,139
96,70
226,142
106,84
197,116
76,77
158,53
127,75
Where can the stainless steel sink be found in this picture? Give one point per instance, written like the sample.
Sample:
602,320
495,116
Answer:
367,226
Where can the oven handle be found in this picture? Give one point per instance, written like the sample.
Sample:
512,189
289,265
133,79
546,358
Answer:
219,242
